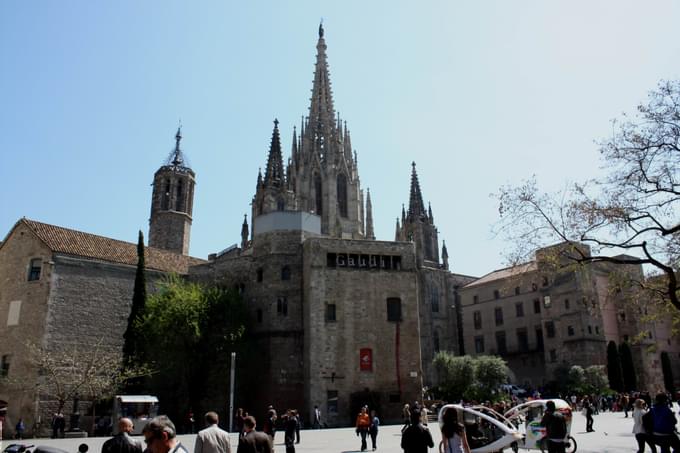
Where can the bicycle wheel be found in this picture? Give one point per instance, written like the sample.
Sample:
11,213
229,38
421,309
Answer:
570,445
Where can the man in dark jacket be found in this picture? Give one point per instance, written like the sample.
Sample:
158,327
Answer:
555,428
416,438
664,425
253,441
122,442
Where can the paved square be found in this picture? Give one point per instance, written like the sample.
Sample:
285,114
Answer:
612,435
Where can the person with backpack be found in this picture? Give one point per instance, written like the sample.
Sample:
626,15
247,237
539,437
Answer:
643,425
664,425
555,428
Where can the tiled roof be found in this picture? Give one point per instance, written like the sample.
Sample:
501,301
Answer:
500,274
77,243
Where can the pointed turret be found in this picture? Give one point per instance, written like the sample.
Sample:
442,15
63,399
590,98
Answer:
244,232
445,256
416,208
369,217
322,121
178,159
274,176
397,231
259,177
403,213
430,217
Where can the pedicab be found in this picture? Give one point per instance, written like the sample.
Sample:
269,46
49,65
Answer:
527,417
486,430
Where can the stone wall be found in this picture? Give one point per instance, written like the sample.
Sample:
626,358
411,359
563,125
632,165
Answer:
335,337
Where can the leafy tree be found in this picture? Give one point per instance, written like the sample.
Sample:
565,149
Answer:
629,217
667,372
189,330
455,375
471,378
577,379
627,367
596,380
614,367
132,333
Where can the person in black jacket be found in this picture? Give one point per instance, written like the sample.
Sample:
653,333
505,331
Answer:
254,441
122,442
555,428
416,438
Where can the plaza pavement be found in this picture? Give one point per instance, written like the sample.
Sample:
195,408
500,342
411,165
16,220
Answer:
612,435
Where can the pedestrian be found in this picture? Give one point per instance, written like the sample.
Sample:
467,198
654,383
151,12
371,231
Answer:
373,430
238,421
212,439
555,428
454,439
298,419
362,425
416,438
589,416
406,414
663,433
641,435
317,418
160,436
270,423
122,442
289,427
19,429
58,425
625,403
253,441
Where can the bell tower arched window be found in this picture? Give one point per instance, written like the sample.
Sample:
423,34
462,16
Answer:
179,200
165,200
342,194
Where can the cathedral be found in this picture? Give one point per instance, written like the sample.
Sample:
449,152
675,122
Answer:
339,317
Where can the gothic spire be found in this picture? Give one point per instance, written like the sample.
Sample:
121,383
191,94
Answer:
259,177
397,231
177,159
273,176
369,216
416,208
429,213
321,112
244,232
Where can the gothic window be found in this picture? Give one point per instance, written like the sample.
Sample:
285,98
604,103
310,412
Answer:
285,273
282,306
394,309
179,202
4,365
436,341
342,194
34,269
434,300
165,200
318,195
330,313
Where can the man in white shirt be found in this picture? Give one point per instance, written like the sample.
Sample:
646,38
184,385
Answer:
213,439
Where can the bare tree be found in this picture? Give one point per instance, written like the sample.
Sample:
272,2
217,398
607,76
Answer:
629,217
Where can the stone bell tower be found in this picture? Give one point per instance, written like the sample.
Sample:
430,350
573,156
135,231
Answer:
172,203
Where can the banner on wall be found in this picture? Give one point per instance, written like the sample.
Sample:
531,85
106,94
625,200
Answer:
366,359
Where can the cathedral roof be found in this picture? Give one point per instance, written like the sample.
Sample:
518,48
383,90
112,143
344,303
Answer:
78,243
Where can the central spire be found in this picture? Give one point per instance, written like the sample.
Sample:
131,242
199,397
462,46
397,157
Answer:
321,111
177,159
273,176
416,208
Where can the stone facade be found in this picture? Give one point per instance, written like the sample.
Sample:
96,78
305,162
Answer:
539,320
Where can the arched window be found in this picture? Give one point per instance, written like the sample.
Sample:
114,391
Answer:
179,201
285,273
434,300
318,194
165,196
342,194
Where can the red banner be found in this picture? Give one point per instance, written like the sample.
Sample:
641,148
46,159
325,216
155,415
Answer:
366,359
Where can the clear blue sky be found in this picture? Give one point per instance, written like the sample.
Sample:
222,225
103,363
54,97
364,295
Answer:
478,93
